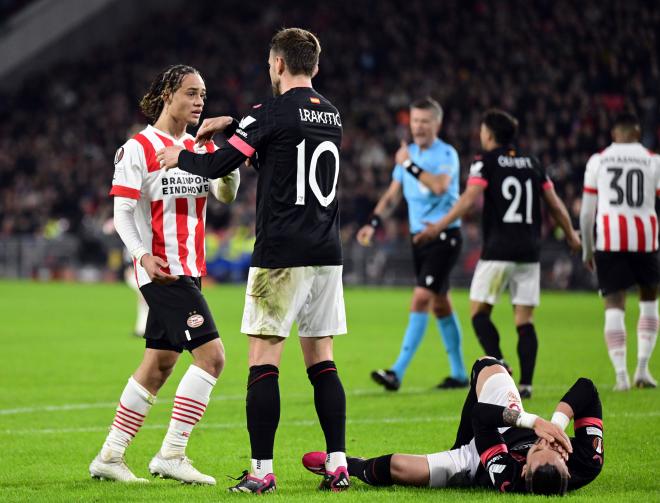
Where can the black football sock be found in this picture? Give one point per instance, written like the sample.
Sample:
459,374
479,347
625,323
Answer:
263,409
487,335
330,402
373,471
465,431
528,345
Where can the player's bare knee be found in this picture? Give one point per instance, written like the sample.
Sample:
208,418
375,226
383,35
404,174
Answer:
441,306
212,360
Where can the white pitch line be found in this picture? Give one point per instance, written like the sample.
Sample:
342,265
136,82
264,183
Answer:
298,423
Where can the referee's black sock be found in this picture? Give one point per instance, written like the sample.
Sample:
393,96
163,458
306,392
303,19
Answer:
528,345
330,402
487,335
373,471
263,409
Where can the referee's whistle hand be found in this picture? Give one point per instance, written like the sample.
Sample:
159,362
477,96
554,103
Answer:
168,157
154,267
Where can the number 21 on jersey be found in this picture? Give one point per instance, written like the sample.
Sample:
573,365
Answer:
512,191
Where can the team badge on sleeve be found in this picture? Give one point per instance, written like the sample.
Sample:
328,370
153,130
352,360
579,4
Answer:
119,155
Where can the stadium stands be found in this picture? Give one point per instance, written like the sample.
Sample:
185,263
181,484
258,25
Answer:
560,67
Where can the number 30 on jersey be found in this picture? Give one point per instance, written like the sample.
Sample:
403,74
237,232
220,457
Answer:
326,146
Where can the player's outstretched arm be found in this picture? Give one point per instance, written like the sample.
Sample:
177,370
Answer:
464,203
216,165
386,204
560,214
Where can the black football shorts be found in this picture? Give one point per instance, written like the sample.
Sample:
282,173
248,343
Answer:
179,317
435,260
618,271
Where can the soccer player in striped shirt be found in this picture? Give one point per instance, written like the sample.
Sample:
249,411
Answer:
621,185
160,217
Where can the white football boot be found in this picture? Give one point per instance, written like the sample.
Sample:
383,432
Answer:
178,468
622,382
644,380
113,468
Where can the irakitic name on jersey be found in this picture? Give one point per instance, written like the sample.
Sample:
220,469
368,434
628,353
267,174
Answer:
621,159
176,185
330,118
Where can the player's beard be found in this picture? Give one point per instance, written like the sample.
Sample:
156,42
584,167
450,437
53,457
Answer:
275,86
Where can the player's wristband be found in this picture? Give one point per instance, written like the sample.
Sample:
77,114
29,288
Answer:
375,221
412,168
560,419
526,420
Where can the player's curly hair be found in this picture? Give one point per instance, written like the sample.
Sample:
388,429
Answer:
165,84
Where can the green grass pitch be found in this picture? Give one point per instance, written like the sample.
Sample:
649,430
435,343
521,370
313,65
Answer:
67,352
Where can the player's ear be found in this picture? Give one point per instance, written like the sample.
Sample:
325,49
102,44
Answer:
280,65
316,70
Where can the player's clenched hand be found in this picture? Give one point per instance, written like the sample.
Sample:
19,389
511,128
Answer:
365,234
153,266
210,127
168,157
430,233
402,154
552,433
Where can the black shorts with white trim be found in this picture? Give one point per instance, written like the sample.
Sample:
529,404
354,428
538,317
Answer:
179,317
435,260
619,271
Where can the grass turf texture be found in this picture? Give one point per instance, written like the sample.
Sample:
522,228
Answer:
68,352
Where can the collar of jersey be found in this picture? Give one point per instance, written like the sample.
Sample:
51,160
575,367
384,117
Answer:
167,135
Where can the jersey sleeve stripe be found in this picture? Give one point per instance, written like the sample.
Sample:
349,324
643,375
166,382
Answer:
241,146
121,191
200,206
589,190
547,185
493,451
149,152
181,204
623,233
583,422
475,180
641,237
158,239
654,234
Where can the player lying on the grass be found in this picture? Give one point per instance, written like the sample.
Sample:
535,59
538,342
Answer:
500,446
160,217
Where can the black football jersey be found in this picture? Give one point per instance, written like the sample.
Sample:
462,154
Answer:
511,222
293,141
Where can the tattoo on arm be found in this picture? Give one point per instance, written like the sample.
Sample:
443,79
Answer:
510,416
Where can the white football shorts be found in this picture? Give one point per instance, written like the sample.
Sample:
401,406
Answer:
492,277
462,463
312,296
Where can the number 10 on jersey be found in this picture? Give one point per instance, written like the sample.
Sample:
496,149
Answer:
326,146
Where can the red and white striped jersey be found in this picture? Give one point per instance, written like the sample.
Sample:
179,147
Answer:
626,179
171,209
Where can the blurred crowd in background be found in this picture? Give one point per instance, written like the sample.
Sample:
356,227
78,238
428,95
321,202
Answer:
563,68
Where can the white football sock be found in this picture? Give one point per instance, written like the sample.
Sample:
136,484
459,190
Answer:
190,402
133,407
647,333
615,337
261,467
334,460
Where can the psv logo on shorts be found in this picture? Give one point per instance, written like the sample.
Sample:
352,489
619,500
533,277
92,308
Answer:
194,321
